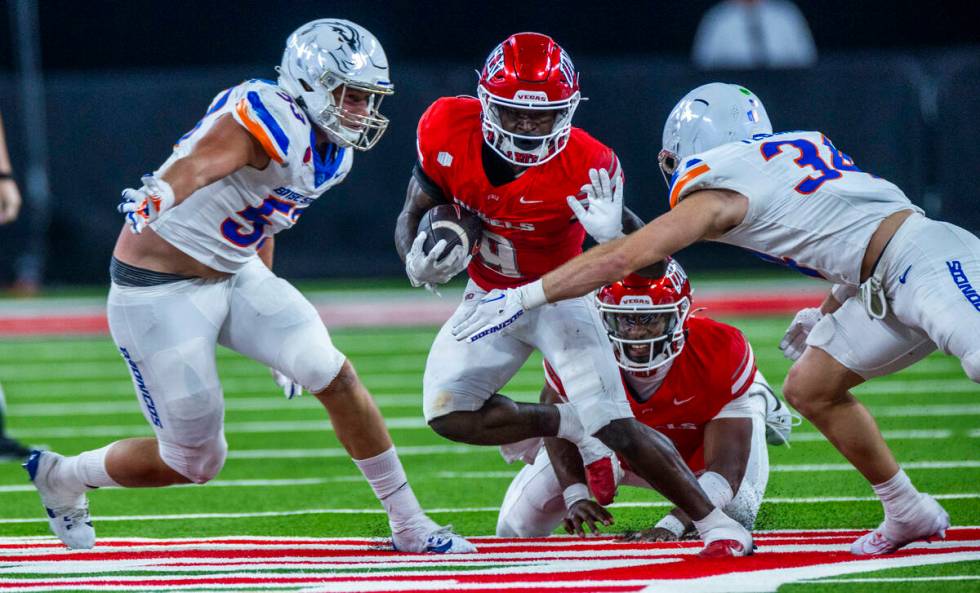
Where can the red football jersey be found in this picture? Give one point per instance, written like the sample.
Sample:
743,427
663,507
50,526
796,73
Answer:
715,367
528,228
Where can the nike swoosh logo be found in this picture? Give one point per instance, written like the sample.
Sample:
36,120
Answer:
904,275
683,401
499,296
524,200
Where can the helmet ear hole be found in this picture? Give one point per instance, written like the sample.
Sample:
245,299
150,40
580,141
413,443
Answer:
306,86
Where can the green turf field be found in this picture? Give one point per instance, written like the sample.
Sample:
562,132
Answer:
286,471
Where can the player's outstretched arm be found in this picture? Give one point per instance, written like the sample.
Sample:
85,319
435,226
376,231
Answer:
224,149
703,215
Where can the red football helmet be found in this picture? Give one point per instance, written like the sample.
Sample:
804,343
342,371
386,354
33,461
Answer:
646,318
528,71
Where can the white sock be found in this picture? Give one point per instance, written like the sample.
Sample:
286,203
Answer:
717,488
85,471
569,426
898,496
716,519
387,478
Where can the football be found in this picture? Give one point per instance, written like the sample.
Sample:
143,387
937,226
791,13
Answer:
452,223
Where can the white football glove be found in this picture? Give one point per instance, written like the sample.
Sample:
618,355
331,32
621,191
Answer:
603,219
794,342
144,205
425,269
289,387
497,310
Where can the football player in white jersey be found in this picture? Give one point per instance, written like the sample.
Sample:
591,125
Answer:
904,285
191,269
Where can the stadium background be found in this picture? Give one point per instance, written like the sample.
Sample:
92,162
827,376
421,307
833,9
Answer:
895,87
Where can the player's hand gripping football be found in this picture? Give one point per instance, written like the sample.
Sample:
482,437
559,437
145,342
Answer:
603,219
425,269
289,387
144,205
794,342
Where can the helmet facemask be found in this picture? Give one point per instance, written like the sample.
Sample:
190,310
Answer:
645,337
326,59
344,127
523,149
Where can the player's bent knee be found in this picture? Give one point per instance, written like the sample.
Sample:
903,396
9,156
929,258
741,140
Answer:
343,381
450,426
198,464
971,365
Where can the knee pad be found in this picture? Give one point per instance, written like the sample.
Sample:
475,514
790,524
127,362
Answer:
311,359
198,464
971,364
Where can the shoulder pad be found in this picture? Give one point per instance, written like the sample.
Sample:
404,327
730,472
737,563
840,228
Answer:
274,119
715,168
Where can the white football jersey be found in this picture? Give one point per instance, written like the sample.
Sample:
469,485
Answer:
221,225
810,207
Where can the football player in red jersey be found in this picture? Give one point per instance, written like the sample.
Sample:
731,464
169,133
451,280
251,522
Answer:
512,157
692,379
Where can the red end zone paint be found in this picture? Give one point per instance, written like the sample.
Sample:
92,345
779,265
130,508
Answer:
536,565
394,314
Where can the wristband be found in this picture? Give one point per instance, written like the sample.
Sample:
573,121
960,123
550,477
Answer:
532,295
671,524
575,493
6,175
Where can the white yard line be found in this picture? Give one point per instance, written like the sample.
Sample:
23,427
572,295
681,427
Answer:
500,475
414,423
492,509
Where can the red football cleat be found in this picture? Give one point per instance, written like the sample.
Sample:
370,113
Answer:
602,480
724,548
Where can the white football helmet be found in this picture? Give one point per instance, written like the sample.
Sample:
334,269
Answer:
709,116
325,54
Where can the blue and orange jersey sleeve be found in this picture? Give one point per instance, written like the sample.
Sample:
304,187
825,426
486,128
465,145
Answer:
268,117
684,178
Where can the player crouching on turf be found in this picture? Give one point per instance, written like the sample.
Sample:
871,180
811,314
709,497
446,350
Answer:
692,379
902,282
191,269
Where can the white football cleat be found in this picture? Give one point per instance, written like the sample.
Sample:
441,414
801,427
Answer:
67,512
429,538
930,521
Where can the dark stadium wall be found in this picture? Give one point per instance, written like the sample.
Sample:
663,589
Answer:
106,129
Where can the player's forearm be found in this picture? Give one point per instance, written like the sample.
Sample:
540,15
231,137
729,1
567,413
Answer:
566,461
405,230
600,265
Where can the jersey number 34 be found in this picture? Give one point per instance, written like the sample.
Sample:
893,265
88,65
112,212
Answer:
810,157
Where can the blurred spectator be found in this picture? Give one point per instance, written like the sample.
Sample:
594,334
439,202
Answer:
749,34
9,208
